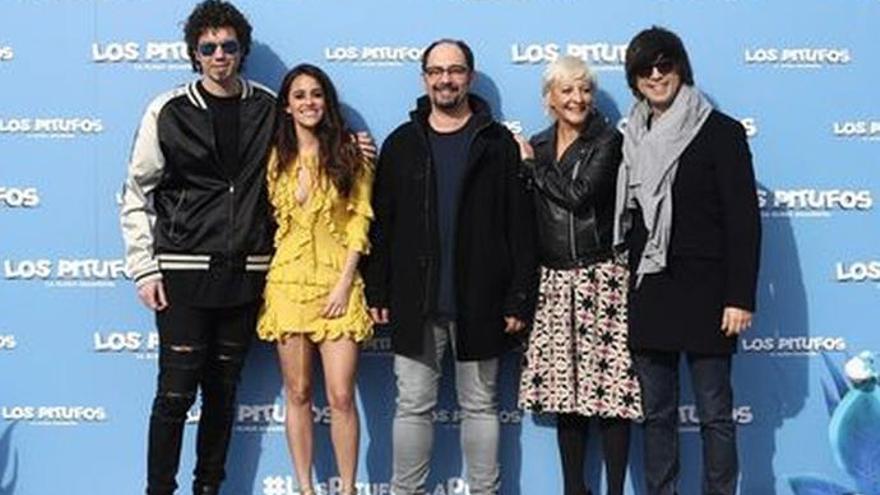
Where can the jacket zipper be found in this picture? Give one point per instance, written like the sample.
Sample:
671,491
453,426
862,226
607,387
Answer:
571,232
230,182
231,217
587,156
426,259
458,204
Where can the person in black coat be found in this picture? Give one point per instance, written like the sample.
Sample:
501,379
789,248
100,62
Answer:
687,206
453,261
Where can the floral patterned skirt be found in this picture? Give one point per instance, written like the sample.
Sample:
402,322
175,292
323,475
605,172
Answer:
577,360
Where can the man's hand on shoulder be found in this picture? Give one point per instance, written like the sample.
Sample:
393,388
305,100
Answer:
366,144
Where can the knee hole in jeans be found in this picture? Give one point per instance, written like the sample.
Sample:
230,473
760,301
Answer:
182,356
173,405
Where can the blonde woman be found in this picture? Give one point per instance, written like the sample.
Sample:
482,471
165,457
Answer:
577,364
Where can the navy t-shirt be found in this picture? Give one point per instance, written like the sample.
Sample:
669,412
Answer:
450,154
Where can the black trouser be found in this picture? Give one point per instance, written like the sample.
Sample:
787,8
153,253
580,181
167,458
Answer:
571,434
710,376
198,347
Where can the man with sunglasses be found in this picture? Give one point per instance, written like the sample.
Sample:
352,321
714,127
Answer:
198,239
453,263
687,209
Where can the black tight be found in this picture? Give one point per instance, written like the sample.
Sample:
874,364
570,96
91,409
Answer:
571,433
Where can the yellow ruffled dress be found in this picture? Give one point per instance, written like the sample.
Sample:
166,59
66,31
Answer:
311,245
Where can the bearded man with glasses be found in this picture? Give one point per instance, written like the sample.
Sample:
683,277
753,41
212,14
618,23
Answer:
453,264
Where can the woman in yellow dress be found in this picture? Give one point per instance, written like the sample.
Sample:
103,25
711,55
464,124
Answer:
319,187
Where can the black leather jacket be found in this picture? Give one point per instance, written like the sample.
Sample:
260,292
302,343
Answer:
575,200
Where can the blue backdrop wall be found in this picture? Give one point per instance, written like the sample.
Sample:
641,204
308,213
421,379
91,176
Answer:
78,352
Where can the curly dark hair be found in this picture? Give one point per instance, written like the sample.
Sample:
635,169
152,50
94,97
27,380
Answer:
650,46
215,14
339,157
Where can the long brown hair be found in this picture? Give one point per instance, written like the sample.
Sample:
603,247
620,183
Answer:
339,157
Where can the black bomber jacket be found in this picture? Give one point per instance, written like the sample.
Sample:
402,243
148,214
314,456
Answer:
179,209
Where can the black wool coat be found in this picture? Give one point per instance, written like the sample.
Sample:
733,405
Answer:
714,248
495,251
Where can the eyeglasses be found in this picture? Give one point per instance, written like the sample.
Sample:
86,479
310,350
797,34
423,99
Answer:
229,47
663,66
433,72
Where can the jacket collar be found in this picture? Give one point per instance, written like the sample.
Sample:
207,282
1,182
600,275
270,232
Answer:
596,125
195,96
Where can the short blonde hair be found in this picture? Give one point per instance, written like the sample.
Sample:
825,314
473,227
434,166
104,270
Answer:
565,67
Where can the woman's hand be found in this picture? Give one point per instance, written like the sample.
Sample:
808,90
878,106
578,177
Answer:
512,324
525,149
380,316
735,321
337,301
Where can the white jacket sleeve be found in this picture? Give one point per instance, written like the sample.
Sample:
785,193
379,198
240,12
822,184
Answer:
137,215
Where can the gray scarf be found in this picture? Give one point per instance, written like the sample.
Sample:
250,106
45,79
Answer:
650,162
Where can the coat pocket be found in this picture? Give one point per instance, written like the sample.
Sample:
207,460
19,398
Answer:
177,217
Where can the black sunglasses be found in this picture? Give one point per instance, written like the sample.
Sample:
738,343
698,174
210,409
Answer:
229,47
663,66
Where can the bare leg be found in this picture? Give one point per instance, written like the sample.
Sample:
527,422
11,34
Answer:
295,357
340,358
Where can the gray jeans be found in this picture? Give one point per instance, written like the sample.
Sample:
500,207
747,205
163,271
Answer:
476,383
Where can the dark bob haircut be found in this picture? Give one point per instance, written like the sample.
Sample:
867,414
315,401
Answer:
215,14
465,49
652,45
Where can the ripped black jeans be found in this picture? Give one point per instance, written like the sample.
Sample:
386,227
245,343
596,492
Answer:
199,347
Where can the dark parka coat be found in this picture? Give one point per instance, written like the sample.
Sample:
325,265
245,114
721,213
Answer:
495,252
